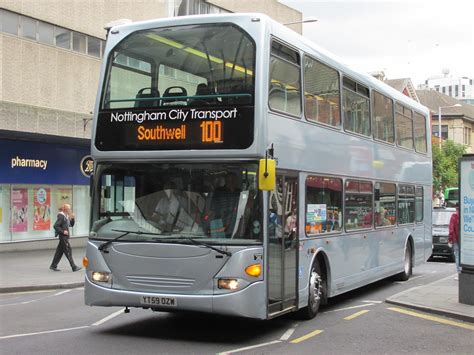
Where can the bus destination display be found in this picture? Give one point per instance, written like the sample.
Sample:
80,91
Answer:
175,129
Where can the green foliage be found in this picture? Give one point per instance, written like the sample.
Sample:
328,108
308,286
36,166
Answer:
445,164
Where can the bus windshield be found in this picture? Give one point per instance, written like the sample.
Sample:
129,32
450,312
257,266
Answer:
219,203
196,65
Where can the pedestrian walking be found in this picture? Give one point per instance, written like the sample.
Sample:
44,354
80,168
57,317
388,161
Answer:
61,228
453,240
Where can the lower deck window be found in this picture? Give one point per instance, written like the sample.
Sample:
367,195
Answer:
323,205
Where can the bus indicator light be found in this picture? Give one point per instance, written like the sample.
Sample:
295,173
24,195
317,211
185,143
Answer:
254,270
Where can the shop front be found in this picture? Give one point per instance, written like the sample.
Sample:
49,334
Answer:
37,176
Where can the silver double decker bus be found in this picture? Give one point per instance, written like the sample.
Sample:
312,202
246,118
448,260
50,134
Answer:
242,170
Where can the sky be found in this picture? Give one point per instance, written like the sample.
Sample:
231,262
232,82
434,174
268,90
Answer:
413,39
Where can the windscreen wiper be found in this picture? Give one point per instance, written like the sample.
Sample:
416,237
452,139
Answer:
198,242
104,245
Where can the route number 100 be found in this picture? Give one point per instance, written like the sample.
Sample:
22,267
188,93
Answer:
211,132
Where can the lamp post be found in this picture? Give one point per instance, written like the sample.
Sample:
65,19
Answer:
439,120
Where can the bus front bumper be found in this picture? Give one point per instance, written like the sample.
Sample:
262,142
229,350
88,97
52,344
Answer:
249,302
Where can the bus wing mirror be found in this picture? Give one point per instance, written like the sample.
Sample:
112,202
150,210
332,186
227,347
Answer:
267,174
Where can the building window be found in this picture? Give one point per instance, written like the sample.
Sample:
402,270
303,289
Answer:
467,136
9,22
322,96
450,90
456,90
63,38
28,27
46,33
355,107
78,42
93,47
285,83
323,205
444,131
404,127
383,118
444,90
358,205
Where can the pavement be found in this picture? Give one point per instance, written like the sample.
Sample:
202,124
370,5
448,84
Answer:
29,270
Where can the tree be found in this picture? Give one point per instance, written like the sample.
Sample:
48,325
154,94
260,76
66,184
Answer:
445,164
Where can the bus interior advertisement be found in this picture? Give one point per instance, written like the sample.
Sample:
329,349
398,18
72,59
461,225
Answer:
214,204
182,87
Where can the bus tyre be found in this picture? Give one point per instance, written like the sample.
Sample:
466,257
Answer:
316,292
407,265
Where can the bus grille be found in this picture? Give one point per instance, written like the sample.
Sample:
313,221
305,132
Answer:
161,282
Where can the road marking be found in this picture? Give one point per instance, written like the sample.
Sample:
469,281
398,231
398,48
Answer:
432,318
249,347
61,293
357,314
307,336
348,308
367,301
35,300
109,317
45,332
288,333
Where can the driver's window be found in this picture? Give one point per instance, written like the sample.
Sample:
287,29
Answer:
117,195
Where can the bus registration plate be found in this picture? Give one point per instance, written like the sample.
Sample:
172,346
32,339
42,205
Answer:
158,301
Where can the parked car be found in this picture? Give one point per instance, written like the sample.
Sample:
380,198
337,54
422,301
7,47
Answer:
440,230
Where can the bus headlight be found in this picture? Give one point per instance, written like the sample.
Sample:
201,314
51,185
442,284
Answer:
228,284
99,276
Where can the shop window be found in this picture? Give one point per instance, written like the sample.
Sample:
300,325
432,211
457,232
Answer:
322,95
385,207
285,87
323,205
358,211
406,204
383,118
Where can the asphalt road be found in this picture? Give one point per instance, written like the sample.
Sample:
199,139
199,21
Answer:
58,322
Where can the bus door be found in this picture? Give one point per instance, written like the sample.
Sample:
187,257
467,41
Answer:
282,246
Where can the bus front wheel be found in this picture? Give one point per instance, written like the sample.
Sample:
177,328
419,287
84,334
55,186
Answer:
315,292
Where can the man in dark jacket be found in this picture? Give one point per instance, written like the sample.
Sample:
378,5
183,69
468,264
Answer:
61,229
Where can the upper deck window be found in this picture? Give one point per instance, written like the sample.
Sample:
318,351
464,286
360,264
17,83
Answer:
321,93
404,126
195,65
419,124
285,82
383,118
355,105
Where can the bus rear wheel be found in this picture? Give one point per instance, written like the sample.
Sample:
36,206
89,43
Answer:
316,291
407,264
